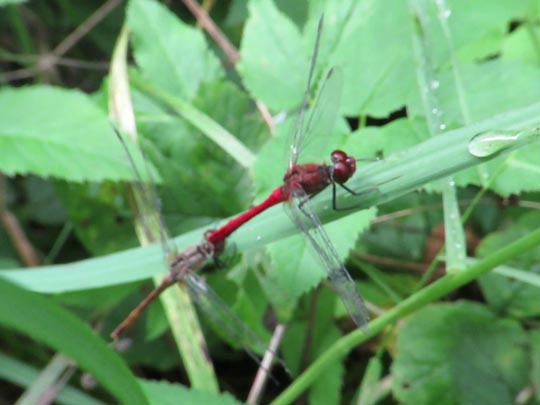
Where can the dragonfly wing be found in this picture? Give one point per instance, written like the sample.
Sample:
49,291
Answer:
299,128
305,217
147,201
324,113
222,316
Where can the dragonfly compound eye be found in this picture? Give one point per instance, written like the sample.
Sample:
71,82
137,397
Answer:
342,172
338,156
351,162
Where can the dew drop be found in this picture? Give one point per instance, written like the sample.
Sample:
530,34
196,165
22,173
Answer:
442,127
434,85
490,142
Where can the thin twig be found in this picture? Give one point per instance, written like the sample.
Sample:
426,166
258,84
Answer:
85,27
209,26
228,48
262,375
15,231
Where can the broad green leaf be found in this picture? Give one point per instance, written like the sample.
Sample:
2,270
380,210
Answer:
489,88
50,131
519,45
505,294
166,393
274,62
198,177
276,73
96,211
377,77
460,353
169,52
477,29
45,322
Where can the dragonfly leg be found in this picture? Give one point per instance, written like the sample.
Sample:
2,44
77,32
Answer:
355,193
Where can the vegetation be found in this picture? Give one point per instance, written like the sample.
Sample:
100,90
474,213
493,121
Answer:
442,240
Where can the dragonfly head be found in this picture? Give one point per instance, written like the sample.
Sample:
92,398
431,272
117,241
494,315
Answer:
344,166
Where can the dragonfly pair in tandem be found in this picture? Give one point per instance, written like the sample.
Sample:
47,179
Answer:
301,183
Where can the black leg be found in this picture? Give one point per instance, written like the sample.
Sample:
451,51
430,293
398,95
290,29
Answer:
352,192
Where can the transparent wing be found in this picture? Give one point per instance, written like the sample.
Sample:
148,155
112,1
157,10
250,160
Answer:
303,214
222,316
324,112
299,128
147,201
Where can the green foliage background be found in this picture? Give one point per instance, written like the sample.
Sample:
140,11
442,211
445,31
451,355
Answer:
421,80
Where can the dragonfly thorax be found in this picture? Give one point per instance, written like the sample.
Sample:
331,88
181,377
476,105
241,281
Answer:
343,167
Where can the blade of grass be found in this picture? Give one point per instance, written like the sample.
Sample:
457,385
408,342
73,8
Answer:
442,155
47,323
178,307
21,374
426,75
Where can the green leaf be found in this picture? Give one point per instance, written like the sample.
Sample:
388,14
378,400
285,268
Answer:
477,29
324,332
96,211
535,372
274,62
327,388
8,2
21,374
442,154
169,52
166,393
368,392
460,353
482,98
47,323
377,78
517,298
49,131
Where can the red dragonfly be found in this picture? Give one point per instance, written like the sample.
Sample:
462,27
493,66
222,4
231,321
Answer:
303,181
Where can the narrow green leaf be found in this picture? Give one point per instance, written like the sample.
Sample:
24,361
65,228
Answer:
406,170
166,393
47,323
535,372
21,374
47,378
180,311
